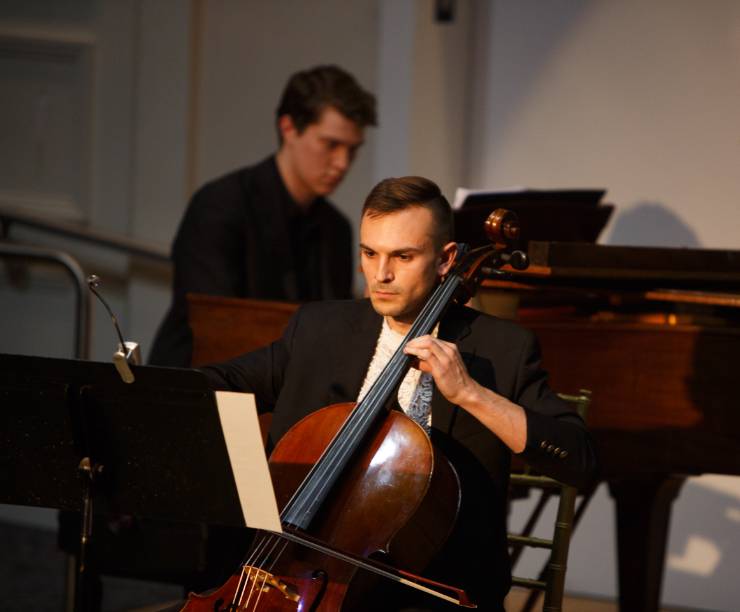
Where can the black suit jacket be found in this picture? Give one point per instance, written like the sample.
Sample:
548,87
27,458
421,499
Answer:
235,241
322,359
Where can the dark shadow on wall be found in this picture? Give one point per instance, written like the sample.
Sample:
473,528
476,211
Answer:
651,224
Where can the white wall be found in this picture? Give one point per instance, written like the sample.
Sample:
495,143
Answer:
424,89
638,97
125,138
642,98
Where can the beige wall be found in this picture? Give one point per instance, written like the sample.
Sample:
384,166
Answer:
642,98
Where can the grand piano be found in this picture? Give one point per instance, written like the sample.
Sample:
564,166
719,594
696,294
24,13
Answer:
654,333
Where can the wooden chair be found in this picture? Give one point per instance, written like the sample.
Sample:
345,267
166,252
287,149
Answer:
551,579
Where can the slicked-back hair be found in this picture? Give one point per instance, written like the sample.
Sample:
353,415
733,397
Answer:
309,92
394,194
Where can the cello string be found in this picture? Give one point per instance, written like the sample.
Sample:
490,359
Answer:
264,544
243,582
258,571
248,564
258,548
249,583
271,539
253,585
260,591
240,587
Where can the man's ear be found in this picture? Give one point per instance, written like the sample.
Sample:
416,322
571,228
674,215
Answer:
447,258
287,127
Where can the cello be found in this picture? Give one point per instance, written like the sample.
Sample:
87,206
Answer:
359,482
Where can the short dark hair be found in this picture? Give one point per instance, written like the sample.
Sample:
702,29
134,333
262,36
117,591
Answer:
393,194
309,92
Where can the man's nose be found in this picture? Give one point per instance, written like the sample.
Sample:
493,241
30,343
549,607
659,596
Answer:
342,159
383,273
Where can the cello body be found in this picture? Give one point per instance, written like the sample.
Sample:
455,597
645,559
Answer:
397,502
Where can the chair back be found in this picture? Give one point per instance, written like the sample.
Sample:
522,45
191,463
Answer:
552,577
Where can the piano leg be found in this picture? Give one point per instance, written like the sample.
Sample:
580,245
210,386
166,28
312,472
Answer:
643,516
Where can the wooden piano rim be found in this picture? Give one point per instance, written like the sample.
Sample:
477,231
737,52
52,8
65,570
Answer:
529,278
539,271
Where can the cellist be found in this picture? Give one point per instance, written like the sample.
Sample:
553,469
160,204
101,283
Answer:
477,387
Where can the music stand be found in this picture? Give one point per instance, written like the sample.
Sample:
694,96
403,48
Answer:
147,444
566,215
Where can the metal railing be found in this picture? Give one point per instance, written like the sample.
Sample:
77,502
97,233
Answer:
109,240
9,217
73,268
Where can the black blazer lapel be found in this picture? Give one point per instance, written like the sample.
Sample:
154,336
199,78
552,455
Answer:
362,331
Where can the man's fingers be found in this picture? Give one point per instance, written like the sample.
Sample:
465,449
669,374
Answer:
430,359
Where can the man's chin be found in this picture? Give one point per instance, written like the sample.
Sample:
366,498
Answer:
326,188
384,308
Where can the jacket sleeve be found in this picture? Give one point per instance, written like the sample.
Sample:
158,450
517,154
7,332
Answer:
260,372
558,443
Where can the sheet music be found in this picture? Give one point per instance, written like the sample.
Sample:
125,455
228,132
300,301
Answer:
462,193
238,414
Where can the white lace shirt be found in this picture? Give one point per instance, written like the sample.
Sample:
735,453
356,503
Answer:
415,392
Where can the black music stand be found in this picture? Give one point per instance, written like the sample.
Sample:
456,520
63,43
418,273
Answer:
565,215
153,449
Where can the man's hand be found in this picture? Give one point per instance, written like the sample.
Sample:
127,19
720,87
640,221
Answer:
443,361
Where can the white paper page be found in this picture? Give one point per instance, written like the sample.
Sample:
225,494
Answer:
238,414
462,193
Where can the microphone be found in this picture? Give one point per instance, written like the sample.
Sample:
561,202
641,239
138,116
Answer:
128,353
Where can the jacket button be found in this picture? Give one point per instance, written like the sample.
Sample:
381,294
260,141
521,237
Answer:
550,448
556,451
563,454
543,444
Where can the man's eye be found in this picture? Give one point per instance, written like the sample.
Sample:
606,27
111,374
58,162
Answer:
368,253
404,257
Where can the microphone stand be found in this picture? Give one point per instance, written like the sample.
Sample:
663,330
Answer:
127,354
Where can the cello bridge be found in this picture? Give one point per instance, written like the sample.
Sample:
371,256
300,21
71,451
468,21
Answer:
265,581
